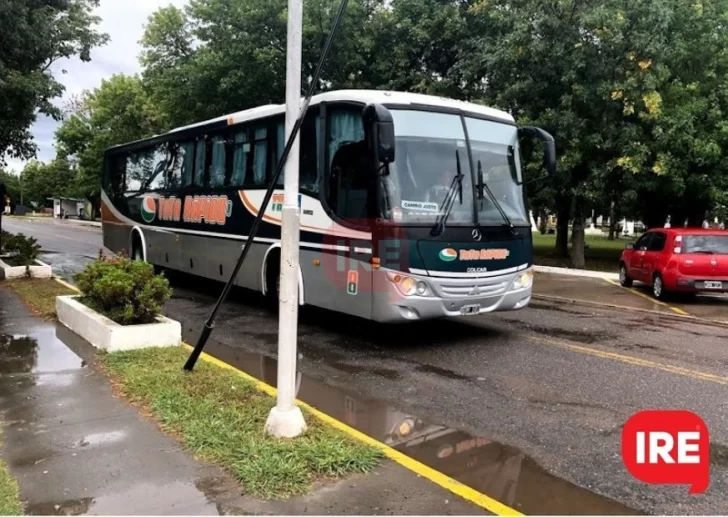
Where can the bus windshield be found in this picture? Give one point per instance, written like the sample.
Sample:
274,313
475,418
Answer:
430,147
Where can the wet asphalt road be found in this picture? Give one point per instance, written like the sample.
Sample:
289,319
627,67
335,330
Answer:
556,381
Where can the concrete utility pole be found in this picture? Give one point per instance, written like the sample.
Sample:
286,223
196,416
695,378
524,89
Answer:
286,420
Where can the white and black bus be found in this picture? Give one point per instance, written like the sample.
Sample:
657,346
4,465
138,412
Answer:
438,229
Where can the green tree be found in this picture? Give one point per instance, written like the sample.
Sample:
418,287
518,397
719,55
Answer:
117,112
12,186
34,35
46,180
216,57
597,75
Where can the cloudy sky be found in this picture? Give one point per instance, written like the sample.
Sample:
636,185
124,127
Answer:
123,21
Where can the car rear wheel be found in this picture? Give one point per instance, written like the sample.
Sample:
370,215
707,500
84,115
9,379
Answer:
658,288
624,279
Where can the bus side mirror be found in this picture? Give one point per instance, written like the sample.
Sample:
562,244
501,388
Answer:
379,130
549,146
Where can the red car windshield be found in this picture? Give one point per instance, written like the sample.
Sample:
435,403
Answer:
708,244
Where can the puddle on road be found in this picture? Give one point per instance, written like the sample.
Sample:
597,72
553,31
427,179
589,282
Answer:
70,507
38,350
502,472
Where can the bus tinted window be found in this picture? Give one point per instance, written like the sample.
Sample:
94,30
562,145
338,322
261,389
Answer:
115,175
348,178
260,154
280,146
309,154
187,157
139,165
156,178
200,162
217,169
240,158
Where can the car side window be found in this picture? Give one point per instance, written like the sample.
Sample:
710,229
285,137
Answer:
643,242
658,242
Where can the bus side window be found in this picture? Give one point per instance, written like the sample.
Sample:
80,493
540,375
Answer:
117,171
347,184
217,168
309,158
308,152
157,172
280,146
260,155
241,154
200,162
174,167
136,165
187,161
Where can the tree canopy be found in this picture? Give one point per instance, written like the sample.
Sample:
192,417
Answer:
634,92
34,36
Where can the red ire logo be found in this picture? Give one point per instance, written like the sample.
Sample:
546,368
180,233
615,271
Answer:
668,447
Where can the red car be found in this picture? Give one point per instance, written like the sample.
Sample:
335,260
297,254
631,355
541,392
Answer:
677,260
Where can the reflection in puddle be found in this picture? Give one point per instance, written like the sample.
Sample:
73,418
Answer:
498,470
70,507
38,350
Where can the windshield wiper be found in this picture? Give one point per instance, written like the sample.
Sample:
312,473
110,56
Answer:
457,181
482,186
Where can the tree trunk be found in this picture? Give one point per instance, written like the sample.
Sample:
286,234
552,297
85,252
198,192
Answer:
612,221
563,211
577,236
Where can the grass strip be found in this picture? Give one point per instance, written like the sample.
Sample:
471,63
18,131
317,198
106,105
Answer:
220,417
601,254
39,293
9,493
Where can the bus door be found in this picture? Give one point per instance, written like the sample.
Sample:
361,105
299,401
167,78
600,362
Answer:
346,279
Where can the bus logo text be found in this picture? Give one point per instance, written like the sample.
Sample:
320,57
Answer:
207,209
169,209
484,254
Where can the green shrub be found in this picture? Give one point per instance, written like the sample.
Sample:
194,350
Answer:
20,250
27,249
126,291
8,243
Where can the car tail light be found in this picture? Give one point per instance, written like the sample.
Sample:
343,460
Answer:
678,244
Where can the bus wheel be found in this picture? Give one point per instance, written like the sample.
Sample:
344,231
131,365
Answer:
136,249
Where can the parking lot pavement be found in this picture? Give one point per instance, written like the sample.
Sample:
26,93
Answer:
599,291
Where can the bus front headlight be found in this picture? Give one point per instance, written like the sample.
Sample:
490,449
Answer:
409,286
524,280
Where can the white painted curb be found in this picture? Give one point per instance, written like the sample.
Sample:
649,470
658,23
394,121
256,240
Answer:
42,270
108,335
576,272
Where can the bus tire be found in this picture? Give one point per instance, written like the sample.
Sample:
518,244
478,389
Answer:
272,278
137,251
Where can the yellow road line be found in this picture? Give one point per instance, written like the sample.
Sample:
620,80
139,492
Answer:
66,284
446,482
642,295
635,361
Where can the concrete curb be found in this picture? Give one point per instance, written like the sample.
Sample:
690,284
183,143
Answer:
108,335
576,272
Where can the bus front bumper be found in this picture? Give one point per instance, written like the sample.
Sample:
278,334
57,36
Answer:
448,296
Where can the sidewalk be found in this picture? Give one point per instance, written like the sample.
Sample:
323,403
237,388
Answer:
76,449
